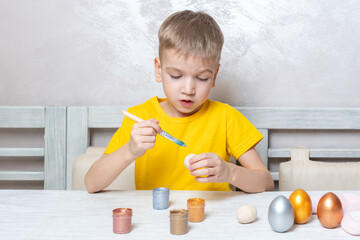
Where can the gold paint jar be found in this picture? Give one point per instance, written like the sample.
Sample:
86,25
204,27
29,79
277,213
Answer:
179,221
196,208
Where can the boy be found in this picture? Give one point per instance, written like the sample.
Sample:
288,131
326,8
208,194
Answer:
190,46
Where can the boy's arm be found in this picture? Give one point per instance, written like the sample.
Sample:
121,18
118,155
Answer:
105,170
252,175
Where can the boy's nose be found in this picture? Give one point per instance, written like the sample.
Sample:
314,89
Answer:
189,86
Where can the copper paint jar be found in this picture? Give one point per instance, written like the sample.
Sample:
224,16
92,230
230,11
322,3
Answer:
122,220
196,208
179,221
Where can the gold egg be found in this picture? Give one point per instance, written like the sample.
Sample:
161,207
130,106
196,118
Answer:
301,203
329,210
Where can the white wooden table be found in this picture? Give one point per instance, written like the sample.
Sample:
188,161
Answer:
52,214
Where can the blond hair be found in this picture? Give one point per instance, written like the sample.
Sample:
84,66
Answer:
191,33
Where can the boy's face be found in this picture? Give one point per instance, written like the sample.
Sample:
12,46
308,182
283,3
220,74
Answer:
187,81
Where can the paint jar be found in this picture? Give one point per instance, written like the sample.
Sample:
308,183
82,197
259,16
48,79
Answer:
122,220
196,208
179,221
160,198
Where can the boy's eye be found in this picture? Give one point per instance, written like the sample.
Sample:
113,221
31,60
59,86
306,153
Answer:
202,79
175,77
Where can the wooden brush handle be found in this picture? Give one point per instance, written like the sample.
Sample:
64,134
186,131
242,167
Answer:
132,116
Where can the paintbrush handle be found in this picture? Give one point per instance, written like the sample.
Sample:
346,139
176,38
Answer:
132,116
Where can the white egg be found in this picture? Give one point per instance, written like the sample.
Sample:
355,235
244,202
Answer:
246,214
187,159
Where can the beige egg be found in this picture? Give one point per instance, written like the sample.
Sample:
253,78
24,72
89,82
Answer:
246,214
187,159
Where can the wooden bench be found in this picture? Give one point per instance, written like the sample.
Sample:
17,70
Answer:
81,119
67,135
53,121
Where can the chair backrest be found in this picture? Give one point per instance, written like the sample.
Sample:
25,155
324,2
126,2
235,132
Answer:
79,122
81,119
125,181
53,121
301,172
269,119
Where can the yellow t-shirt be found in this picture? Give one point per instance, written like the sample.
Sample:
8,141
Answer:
216,127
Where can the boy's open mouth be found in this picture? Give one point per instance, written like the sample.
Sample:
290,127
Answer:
186,102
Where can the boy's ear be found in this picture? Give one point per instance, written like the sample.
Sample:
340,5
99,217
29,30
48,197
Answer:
157,64
215,75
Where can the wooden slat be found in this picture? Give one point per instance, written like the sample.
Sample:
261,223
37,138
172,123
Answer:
267,118
303,118
22,117
21,152
78,138
275,176
317,153
263,145
55,148
106,117
21,176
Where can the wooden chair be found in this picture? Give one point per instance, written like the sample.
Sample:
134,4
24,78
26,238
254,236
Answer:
81,119
79,122
53,121
269,119
301,172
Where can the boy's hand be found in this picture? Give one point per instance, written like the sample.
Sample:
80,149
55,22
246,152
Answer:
212,165
143,136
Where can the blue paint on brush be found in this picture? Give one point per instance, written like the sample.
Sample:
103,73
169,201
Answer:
171,138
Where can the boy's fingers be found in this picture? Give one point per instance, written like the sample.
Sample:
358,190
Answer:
203,163
156,121
149,139
201,157
148,131
205,179
203,172
149,145
153,123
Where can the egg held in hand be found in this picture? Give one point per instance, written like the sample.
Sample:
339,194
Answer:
302,205
329,210
187,159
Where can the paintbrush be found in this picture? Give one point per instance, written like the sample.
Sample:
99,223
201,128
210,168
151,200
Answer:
163,133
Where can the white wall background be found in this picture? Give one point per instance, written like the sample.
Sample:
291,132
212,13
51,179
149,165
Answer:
277,53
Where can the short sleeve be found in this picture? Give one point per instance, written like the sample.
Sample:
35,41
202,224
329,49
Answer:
241,133
121,136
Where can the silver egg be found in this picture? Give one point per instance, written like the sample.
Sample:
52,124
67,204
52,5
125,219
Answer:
281,214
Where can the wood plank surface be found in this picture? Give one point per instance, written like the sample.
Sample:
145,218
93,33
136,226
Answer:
106,117
21,176
303,118
55,148
77,139
317,153
22,117
80,215
21,152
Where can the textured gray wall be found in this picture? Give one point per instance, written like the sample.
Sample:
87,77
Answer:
297,53
276,53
